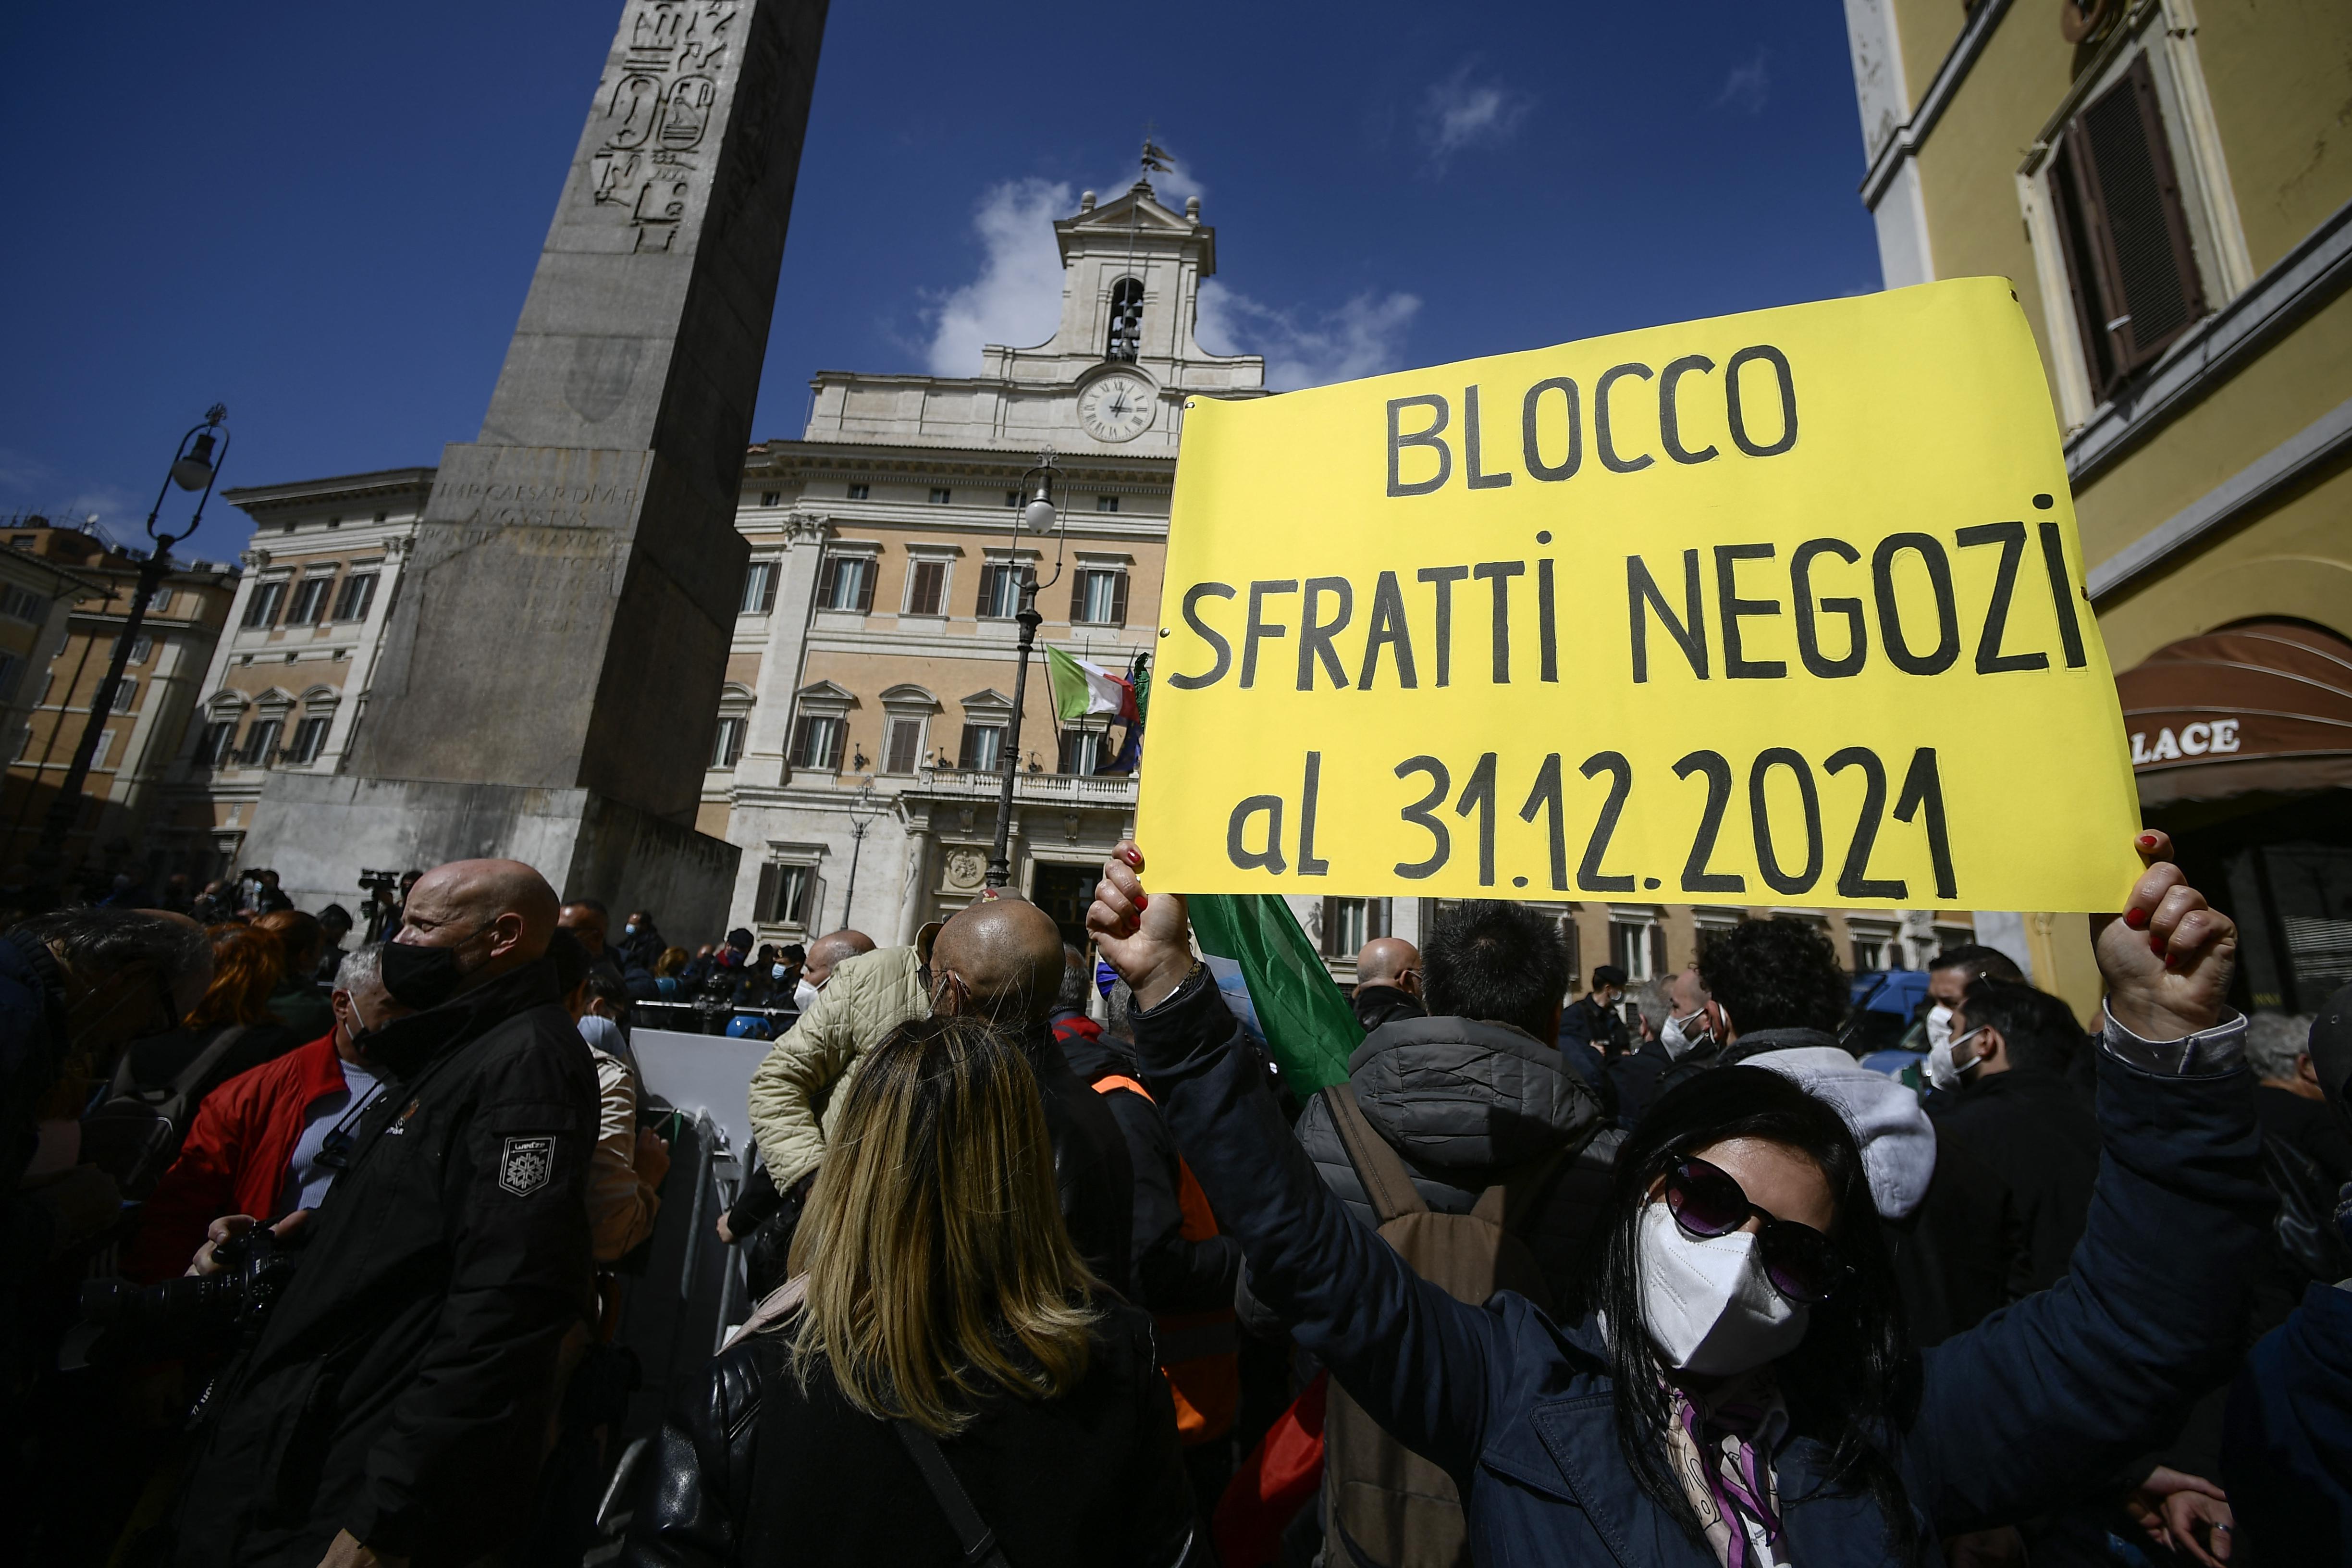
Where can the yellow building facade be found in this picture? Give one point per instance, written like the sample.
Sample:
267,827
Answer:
2168,183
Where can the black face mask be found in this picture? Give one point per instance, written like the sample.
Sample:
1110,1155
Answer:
421,977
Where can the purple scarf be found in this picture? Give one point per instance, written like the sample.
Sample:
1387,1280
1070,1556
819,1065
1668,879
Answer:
1741,1485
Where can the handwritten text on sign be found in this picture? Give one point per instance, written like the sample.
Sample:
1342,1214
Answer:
1783,607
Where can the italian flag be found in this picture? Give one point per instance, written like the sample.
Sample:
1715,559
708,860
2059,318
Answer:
1083,689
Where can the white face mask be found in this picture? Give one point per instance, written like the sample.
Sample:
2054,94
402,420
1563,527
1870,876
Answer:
1944,1064
1939,1027
804,994
776,971
1707,1304
1683,1035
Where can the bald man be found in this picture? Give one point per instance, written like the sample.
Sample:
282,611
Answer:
409,1368
1001,960
1387,981
817,964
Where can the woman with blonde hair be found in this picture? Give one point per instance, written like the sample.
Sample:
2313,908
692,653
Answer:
942,1382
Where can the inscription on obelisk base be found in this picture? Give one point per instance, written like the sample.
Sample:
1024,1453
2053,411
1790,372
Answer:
551,676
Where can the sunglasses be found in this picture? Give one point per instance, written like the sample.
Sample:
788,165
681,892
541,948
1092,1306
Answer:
1707,1203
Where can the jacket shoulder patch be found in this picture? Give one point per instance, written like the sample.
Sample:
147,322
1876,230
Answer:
525,1164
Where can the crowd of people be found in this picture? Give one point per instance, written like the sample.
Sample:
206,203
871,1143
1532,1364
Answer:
320,1247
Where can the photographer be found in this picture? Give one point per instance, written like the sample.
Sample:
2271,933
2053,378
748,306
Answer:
397,1404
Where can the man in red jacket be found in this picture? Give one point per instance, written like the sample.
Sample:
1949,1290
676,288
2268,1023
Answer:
269,1141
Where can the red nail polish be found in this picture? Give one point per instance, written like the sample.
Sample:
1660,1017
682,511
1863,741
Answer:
2136,918
2147,840
2155,945
2172,961
1142,901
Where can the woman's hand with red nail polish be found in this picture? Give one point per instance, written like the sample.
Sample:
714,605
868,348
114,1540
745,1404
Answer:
2177,984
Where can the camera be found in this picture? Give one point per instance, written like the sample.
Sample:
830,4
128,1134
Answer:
379,881
197,1310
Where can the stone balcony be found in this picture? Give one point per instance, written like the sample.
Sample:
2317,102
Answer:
1038,788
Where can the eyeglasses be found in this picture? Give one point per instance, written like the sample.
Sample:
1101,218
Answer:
1707,1203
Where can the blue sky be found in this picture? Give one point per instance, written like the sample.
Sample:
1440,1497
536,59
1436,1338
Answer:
326,217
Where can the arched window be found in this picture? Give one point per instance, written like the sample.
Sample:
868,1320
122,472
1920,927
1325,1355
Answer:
1126,319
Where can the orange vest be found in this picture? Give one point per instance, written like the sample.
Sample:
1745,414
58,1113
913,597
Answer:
1200,1352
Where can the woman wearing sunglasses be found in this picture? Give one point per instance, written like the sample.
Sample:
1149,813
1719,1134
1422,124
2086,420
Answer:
1737,1387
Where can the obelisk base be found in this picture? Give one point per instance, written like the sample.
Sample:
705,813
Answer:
317,832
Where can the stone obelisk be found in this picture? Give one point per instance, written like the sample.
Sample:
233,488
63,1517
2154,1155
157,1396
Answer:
550,679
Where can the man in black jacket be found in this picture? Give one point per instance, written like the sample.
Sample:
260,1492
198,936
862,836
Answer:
1388,983
1594,1019
2017,1113
395,1407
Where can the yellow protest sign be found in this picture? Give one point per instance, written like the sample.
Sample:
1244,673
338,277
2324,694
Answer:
1783,607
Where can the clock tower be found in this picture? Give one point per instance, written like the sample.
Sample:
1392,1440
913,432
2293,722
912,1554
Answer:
867,723
1112,378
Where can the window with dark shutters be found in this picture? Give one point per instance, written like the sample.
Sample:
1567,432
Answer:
926,583
846,583
904,753
981,749
816,741
1098,598
2125,231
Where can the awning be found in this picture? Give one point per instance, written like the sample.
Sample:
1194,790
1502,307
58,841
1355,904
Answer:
2261,705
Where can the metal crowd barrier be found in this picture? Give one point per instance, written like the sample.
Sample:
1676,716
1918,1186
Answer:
707,1018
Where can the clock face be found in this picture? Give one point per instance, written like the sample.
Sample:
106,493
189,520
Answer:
1117,407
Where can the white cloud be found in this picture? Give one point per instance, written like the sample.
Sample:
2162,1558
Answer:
1749,86
1017,298
1363,336
1459,113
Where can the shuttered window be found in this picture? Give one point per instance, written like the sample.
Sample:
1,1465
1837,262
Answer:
816,741
1000,591
846,583
1098,598
904,753
789,895
2125,230
981,749
926,585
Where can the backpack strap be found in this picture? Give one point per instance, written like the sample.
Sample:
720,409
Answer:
1388,1185
1510,1203
1109,1081
980,1547
189,1076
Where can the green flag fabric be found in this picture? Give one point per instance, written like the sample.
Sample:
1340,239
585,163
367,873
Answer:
1309,1028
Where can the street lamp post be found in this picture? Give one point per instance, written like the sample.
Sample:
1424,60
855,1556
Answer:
194,466
1038,515
863,809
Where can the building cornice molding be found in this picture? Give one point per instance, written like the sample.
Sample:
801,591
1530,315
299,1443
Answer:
339,487
1912,135
1148,471
2250,490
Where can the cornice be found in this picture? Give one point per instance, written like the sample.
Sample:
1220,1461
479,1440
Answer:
340,487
